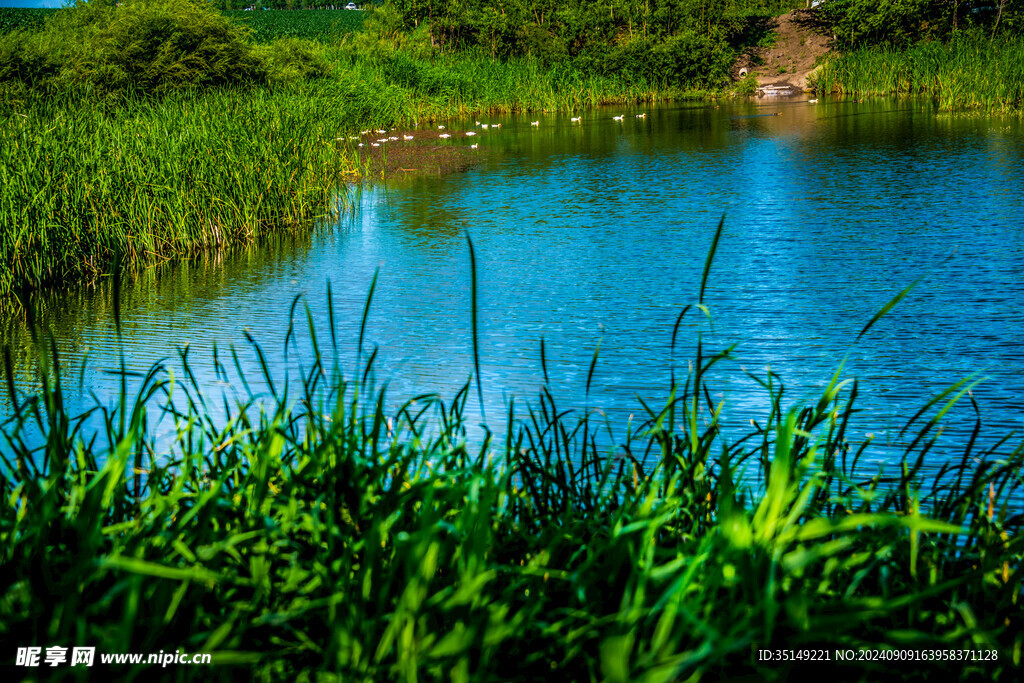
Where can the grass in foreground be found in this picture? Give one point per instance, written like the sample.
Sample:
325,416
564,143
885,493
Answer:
316,536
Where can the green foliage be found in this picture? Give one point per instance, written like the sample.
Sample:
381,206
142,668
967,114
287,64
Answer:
30,57
971,71
325,26
676,42
22,18
427,78
541,42
897,22
159,46
902,22
332,539
692,58
747,86
292,59
147,45
383,26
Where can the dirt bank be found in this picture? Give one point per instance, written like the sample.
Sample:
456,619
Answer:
800,42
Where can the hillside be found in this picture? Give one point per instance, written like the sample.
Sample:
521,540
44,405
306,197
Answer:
800,42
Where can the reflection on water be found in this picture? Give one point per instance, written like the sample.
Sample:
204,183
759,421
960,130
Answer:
596,234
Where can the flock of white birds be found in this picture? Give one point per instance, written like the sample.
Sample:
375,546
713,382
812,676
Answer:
444,136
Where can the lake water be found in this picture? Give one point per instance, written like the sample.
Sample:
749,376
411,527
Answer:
596,233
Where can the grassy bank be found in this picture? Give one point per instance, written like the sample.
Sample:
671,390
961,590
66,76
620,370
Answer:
108,152
971,71
156,179
316,536
84,180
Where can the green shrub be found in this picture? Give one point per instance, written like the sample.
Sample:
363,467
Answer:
687,59
169,44
289,59
891,22
747,85
28,57
540,42
152,46
694,59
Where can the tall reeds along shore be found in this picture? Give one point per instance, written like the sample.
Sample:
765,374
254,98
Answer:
970,72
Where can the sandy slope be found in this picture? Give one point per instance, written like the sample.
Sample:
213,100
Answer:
801,41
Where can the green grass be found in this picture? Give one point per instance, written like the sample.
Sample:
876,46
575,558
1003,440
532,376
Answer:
82,184
312,534
22,18
87,178
971,72
326,26
322,25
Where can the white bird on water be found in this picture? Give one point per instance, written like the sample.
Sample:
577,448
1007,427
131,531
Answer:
814,101
534,123
496,125
473,146
576,119
485,126
407,137
470,133
444,135
440,127
642,116
618,118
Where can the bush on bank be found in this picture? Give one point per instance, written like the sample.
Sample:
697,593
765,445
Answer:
149,46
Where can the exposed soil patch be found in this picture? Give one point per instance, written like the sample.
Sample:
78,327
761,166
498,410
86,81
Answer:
801,41
416,152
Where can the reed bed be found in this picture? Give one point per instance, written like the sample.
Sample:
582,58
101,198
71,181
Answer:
87,179
469,84
83,183
316,535
970,72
